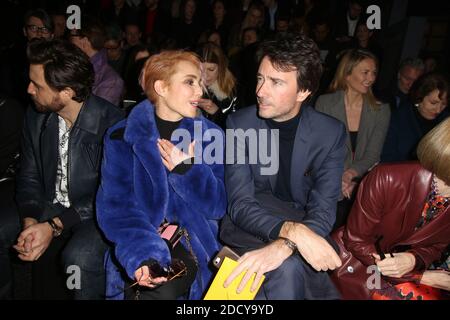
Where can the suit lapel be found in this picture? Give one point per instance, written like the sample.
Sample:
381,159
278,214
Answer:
49,142
267,131
142,134
341,114
364,127
302,144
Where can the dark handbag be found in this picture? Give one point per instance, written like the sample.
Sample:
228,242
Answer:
351,277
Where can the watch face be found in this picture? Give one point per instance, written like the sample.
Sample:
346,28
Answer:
55,228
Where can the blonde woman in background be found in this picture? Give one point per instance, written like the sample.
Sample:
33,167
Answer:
351,101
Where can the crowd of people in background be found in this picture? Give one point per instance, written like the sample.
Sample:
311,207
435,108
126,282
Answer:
221,41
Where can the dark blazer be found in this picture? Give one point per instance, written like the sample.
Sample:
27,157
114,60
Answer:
316,170
371,133
389,203
138,193
404,134
39,154
317,167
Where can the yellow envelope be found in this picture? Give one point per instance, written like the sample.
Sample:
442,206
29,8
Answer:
217,291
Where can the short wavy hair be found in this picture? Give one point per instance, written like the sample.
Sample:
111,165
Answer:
426,84
162,66
294,52
65,66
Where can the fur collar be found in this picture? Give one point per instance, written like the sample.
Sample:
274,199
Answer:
218,93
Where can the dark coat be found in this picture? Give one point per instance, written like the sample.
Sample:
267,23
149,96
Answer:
137,193
39,154
389,203
404,133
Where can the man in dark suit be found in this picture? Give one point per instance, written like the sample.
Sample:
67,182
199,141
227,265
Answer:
280,211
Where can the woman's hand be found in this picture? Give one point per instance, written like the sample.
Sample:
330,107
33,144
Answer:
172,156
397,266
208,106
436,278
143,278
347,182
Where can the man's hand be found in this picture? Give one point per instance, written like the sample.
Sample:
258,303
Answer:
172,156
25,244
33,241
397,266
259,261
312,247
436,278
28,222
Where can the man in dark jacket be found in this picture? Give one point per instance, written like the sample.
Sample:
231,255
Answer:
58,180
280,211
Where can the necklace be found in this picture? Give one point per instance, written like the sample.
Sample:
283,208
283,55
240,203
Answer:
434,205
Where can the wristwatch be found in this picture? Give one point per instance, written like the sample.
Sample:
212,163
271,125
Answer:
57,230
290,244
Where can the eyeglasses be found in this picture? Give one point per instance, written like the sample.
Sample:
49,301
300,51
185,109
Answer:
33,28
176,270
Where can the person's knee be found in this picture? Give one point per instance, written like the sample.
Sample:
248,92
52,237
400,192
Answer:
292,268
285,282
86,251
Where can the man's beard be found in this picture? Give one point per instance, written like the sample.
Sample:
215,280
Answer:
55,106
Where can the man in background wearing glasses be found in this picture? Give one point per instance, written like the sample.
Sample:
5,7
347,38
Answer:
38,24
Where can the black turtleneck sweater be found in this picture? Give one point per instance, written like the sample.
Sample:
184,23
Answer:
287,130
165,129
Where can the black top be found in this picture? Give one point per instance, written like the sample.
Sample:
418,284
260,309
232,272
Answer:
287,130
165,129
425,124
353,138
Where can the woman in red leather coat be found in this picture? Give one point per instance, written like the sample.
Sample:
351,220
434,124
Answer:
398,226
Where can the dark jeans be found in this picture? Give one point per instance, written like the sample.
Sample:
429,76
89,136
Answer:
294,279
9,230
72,266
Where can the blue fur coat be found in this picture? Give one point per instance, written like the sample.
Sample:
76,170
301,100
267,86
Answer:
137,193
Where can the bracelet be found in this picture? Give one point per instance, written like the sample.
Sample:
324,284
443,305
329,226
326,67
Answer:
55,228
290,244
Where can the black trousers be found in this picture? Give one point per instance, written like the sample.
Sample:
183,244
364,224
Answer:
9,231
172,289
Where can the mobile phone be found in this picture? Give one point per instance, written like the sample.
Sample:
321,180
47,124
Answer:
224,252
